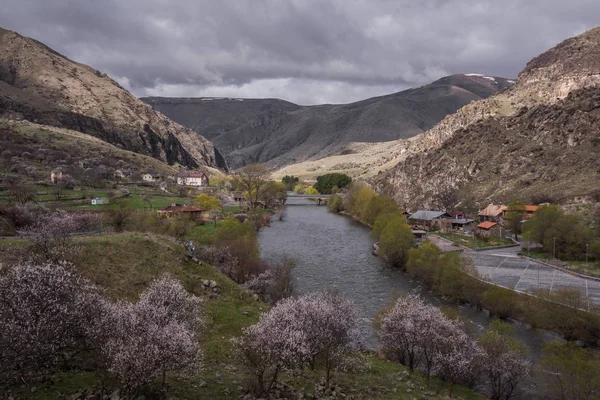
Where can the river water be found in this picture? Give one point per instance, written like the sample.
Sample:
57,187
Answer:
334,253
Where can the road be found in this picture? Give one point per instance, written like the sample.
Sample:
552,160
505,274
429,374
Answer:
504,267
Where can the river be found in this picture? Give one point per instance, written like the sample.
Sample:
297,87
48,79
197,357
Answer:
334,253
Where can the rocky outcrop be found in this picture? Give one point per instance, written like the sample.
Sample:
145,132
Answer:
43,85
539,135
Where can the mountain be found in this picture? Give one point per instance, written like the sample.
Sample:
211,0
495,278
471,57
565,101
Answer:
41,85
541,136
281,133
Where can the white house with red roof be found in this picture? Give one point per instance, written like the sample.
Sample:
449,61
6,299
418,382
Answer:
193,179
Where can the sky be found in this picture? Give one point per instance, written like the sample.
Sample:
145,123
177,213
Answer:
304,51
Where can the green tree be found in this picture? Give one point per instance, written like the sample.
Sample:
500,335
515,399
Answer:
514,217
335,204
451,272
379,205
210,204
395,242
499,301
382,221
570,236
311,190
325,183
207,202
290,182
537,227
423,263
274,191
595,250
572,372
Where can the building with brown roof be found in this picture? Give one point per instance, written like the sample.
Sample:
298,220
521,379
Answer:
488,229
182,211
493,213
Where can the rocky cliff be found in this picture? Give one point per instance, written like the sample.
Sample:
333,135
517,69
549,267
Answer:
38,84
541,135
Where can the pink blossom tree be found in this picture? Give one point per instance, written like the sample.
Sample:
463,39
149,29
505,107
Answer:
51,235
273,345
297,332
46,310
419,335
504,362
330,324
154,336
400,331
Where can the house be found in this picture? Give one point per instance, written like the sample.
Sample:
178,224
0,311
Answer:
151,177
98,201
182,211
529,211
419,234
493,213
488,229
122,173
429,219
56,176
461,224
193,179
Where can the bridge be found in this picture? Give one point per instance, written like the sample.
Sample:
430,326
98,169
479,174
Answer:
319,198
308,196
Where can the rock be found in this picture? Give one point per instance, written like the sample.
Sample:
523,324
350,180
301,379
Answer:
33,389
115,395
246,313
213,284
255,297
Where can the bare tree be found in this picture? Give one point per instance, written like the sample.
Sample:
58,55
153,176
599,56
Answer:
253,179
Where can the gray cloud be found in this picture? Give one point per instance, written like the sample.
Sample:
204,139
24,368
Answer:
306,51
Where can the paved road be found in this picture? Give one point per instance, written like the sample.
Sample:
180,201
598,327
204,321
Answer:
505,268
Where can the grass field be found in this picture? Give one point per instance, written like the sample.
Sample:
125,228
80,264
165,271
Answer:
475,242
124,264
592,267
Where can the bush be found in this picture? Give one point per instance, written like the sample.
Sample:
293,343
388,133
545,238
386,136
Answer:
311,190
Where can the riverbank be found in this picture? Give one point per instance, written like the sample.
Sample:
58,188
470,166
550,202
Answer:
135,260
542,310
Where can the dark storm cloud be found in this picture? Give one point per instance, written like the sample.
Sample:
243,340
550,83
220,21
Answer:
306,51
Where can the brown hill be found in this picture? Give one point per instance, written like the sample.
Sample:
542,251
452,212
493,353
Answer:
281,133
38,84
540,136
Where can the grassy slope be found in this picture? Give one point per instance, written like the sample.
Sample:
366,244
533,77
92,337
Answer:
475,242
124,264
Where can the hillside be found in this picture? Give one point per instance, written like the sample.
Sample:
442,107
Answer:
540,136
33,150
40,85
281,133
